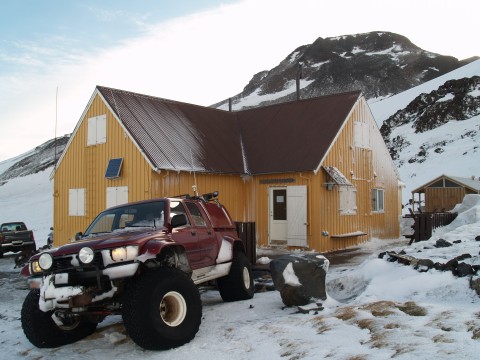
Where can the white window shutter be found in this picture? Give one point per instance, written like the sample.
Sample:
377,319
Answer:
122,195
92,131
111,196
81,202
72,202
101,137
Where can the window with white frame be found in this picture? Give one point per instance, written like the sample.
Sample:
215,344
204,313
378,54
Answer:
378,200
97,130
117,195
348,200
362,135
76,202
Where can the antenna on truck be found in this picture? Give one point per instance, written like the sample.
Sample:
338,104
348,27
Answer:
194,186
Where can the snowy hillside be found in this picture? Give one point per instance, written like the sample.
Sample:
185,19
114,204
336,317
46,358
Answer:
26,193
452,148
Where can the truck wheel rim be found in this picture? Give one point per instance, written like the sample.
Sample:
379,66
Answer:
173,308
246,278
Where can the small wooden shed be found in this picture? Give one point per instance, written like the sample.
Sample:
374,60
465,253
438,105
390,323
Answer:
312,173
444,192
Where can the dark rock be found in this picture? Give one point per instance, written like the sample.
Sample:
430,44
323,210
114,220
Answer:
475,285
463,257
442,243
463,270
477,238
310,270
457,241
382,255
439,266
424,265
451,265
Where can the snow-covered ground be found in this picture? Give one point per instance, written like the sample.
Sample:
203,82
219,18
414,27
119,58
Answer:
375,310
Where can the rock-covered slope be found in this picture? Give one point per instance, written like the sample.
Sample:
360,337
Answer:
455,100
377,63
36,160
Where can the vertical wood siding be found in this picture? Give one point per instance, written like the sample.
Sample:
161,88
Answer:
443,199
84,167
231,188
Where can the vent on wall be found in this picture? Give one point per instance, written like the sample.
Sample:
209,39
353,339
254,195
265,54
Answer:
113,169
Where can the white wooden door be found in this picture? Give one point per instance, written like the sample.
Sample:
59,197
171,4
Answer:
297,215
278,215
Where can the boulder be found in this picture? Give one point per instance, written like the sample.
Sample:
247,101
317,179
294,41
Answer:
442,243
300,278
463,270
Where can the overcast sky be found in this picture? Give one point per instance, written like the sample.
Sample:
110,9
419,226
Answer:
196,51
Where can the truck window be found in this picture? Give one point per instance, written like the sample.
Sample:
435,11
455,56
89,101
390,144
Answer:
197,216
176,207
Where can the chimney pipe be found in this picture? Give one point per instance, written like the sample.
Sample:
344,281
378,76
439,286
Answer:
230,104
299,76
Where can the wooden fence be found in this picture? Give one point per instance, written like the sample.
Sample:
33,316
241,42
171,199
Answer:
246,232
425,223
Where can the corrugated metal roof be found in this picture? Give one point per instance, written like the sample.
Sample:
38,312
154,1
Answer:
285,137
179,136
293,136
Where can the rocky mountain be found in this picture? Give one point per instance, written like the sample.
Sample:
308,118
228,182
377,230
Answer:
40,158
455,100
379,64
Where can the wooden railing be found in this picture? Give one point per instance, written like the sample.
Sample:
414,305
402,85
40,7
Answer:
425,223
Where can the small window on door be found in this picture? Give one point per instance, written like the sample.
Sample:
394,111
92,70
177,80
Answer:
196,214
280,204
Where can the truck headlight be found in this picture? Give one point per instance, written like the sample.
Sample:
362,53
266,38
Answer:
35,267
45,261
124,253
85,255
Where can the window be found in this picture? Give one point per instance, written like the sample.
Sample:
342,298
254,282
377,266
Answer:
362,135
117,195
176,208
197,216
378,200
76,202
97,130
348,200
280,204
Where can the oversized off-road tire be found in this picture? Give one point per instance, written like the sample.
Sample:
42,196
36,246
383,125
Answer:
162,309
238,284
43,332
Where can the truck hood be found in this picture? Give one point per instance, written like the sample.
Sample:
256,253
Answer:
111,240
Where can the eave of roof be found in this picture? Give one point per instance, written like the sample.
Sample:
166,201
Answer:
473,185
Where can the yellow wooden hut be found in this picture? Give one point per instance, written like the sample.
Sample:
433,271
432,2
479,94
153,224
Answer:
312,173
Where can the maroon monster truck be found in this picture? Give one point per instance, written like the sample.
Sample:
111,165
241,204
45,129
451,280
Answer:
142,260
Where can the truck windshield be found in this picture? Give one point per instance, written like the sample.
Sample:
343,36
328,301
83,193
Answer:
149,214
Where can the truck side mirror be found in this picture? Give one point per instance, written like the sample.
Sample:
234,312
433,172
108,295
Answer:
179,220
78,235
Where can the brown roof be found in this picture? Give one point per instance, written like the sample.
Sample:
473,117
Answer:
287,137
293,136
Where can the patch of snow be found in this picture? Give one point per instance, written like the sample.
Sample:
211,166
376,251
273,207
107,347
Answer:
290,277
225,253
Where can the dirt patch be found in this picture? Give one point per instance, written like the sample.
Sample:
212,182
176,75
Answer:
381,308
412,309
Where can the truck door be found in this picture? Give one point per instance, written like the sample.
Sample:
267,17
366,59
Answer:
185,235
207,244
